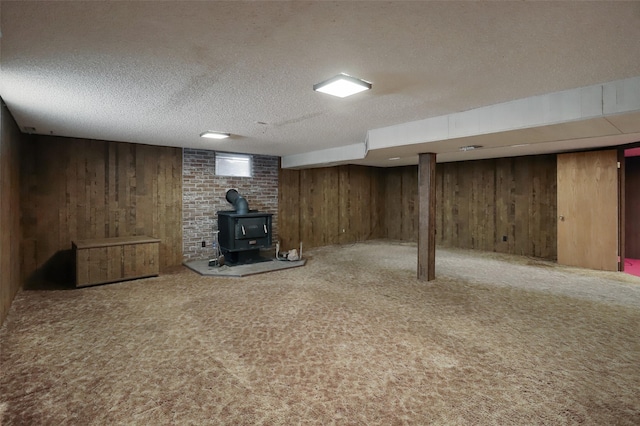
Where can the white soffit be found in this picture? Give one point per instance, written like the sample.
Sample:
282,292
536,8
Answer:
621,96
553,108
325,157
571,117
626,123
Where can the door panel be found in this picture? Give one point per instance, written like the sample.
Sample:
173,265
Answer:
588,210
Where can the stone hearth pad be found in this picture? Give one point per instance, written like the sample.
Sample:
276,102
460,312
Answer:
202,267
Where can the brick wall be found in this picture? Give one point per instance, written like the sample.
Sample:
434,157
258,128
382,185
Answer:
203,195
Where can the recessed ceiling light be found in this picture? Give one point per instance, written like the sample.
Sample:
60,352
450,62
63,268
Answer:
470,147
519,145
342,85
394,158
214,135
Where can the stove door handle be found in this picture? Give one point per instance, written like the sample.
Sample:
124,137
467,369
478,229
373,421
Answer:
243,232
265,229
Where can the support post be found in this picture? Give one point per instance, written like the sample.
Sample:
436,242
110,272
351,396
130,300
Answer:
427,217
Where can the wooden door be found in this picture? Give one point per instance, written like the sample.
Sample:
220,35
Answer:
588,210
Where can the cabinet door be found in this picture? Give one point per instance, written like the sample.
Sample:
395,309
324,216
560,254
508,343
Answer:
141,260
98,265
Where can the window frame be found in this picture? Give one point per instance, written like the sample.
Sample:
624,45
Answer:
223,161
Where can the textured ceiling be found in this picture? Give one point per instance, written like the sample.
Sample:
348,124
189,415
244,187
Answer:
163,72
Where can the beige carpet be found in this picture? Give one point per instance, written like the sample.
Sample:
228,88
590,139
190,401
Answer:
351,338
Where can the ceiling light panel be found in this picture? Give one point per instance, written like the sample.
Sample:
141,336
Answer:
342,85
214,135
470,147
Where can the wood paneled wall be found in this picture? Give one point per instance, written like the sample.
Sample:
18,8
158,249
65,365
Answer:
82,189
401,203
330,205
482,203
478,204
10,142
632,207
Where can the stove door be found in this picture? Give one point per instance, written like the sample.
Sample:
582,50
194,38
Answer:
251,228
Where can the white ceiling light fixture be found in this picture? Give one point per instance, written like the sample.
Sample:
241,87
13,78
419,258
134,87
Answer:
214,135
470,147
342,85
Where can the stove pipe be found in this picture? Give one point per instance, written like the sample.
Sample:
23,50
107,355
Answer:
239,203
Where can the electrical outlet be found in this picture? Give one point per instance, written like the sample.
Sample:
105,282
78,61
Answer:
204,244
504,238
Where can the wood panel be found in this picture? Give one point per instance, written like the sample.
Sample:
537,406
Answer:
335,205
83,274
99,265
394,213
74,189
480,204
11,141
401,203
543,207
140,260
329,205
588,209
377,202
632,207
289,207
358,203
444,181
505,207
410,205
319,197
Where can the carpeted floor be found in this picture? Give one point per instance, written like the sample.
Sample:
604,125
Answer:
350,338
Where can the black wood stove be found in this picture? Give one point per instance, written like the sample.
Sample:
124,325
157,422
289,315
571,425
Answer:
243,232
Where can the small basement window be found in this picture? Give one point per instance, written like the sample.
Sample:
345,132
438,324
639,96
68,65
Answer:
233,165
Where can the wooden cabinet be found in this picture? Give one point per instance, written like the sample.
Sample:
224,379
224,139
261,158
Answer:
106,260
